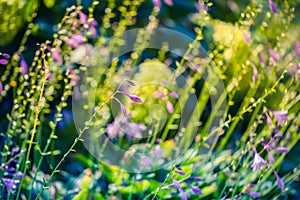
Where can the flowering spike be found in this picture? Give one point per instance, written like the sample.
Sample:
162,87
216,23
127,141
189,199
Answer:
273,6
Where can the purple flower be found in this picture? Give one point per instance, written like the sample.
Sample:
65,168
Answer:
23,65
270,158
1,88
173,95
279,181
130,82
75,40
262,59
145,162
56,54
195,189
255,72
3,62
181,173
121,126
10,184
273,7
134,98
114,128
83,18
253,194
157,152
246,38
92,27
5,55
295,68
281,116
269,120
169,106
281,149
274,55
297,48
196,178
179,188
258,162
157,3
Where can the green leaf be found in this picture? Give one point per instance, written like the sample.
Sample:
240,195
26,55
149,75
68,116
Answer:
28,10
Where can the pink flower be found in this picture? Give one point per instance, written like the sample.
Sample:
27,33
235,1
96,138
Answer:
75,40
56,54
157,3
83,18
246,38
169,106
274,55
23,65
262,59
255,72
297,48
3,62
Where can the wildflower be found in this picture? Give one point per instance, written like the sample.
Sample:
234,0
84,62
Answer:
56,55
130,82
195,189
157,3
255,72
273,7
258,162
10,184
253,194
170,107
5,55
173,95
179,188
75,40
82,17
121,125
295,68
281,116
23,65
246,38
92,27
262,59
274,55
279,181
135,98
297,48
157,152
145,162
1,88
3,62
